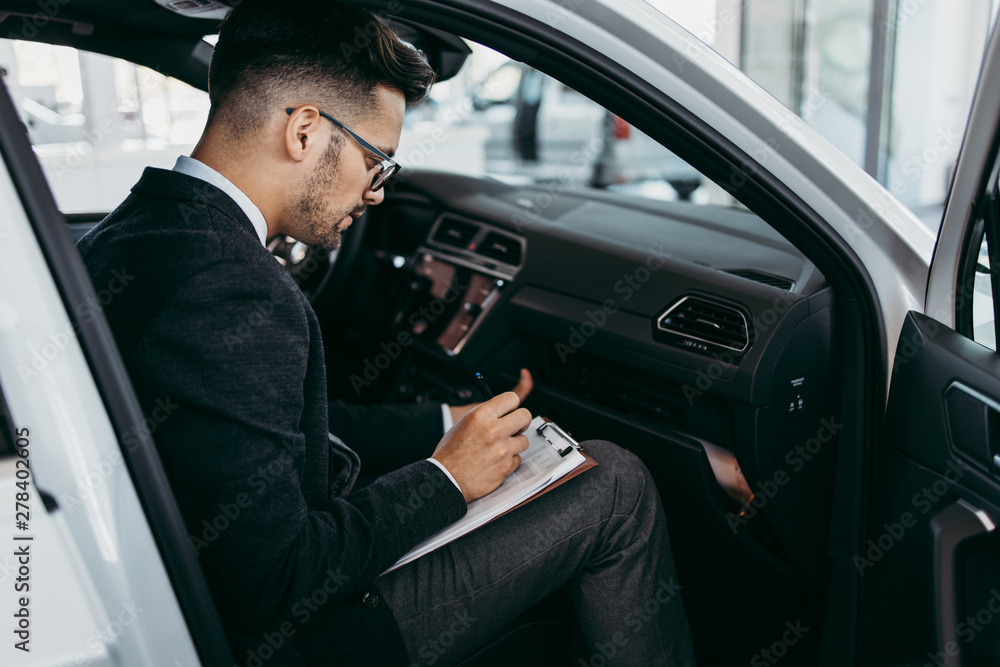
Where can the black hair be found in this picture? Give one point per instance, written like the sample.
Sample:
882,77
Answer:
272,53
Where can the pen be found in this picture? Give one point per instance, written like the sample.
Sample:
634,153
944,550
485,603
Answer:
484,388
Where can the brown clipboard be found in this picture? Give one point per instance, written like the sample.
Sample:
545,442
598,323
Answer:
586,465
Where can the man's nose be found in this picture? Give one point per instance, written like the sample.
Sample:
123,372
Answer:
374,197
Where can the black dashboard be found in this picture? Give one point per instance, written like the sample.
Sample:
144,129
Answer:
668,327
671,329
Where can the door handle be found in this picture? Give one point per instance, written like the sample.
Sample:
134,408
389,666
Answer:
974,425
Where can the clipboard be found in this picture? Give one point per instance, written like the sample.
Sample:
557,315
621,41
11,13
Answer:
555,432
542,435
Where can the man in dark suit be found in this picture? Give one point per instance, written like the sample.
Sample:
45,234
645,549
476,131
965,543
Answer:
307,103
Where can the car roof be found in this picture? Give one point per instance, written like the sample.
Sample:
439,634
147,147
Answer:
146,33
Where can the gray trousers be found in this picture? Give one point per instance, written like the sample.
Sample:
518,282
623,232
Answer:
603,532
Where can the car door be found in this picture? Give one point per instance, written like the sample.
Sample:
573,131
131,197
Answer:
97,567
929,566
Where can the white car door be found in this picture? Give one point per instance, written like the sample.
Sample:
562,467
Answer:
96,567
930,589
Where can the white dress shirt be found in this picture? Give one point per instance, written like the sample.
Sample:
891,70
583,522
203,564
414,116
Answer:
191,167
197,169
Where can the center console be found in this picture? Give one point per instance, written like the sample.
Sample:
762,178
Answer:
458,277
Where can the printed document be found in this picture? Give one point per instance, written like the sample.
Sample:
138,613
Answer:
541,466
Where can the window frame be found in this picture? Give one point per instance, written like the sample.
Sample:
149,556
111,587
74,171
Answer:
985,226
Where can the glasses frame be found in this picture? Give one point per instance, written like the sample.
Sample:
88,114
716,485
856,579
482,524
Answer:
387,167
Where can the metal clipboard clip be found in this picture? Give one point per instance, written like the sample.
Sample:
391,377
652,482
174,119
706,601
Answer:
573,444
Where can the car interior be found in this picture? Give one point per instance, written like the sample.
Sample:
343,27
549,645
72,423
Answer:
679,330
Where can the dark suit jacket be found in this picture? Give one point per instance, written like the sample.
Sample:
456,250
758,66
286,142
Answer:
212,324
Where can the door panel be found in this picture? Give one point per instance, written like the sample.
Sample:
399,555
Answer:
936,498
944,405
930,581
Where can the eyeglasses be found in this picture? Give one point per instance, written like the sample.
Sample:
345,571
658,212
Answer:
386,168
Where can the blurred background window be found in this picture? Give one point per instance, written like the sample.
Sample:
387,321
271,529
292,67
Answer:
888,82
96,121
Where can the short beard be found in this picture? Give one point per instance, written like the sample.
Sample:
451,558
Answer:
321,223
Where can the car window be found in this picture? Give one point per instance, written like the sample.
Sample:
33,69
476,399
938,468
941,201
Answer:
95,122
980,277
983,325
503,119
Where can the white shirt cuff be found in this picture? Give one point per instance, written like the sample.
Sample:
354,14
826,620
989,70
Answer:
446,414
445,471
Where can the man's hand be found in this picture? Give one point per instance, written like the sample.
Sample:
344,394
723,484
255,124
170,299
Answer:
523,388
484,446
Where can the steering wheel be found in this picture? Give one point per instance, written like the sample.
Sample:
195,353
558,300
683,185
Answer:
320,273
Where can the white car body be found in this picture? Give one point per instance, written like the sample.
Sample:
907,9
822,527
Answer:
97,575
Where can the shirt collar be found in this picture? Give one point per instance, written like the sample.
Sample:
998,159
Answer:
192,167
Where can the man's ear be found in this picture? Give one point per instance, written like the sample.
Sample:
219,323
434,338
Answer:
302,130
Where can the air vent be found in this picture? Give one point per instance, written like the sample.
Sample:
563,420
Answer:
705,326
501,247
767,279
455,233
